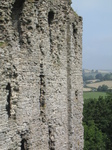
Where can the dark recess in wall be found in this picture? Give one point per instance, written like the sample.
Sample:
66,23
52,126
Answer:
24,144
74,30
16,10
16,14
51,139
8,106
50,17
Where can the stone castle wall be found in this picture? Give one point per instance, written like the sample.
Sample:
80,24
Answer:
41,84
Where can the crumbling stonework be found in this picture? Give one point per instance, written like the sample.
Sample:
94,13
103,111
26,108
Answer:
41,100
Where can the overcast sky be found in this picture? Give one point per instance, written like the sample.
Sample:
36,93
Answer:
97,32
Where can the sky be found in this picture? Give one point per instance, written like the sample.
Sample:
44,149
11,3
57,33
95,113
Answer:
97,32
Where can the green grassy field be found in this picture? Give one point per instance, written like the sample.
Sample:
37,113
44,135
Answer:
87,95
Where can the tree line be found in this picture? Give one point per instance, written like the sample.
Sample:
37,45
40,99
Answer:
97,123
98,76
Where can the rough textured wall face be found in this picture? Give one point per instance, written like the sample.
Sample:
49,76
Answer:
41,100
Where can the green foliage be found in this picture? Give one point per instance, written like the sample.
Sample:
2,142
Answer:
98,123
99,76
1,44
90,77
102,88
107,76
94,138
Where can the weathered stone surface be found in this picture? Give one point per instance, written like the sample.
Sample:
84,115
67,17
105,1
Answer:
41,100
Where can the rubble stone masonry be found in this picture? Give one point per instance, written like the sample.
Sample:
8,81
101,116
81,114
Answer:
41,86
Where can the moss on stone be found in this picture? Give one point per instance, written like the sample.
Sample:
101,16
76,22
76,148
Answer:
3,44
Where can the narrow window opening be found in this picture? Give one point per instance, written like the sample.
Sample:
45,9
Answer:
50,20
50,17
8,106
74,30
16,13
24,144
42,93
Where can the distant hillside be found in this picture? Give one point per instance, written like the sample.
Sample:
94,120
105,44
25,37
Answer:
92,79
